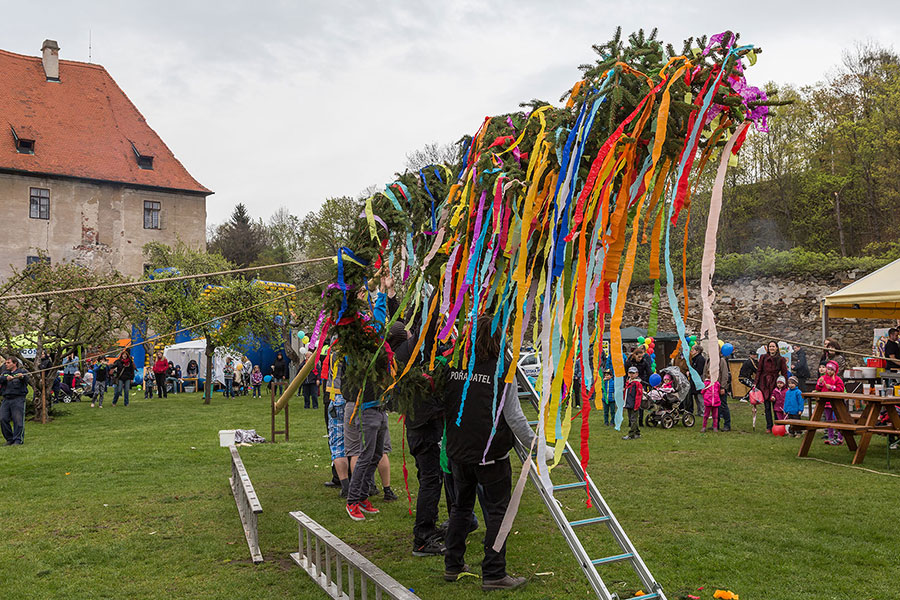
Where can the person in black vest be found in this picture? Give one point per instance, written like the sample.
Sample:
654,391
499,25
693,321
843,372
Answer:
467,438
14,381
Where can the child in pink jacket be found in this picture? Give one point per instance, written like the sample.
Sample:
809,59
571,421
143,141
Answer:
711,402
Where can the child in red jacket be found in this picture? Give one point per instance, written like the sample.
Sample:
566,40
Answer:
831,382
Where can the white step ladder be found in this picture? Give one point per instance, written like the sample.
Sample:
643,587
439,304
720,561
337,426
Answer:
652,589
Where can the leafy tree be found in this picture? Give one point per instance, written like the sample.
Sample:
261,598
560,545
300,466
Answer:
192,302
62,323
239,240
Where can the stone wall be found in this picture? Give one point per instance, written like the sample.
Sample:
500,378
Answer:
783,308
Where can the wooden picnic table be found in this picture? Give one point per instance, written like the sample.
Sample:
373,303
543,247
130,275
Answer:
865,426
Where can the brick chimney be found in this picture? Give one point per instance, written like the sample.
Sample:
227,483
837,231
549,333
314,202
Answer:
50,58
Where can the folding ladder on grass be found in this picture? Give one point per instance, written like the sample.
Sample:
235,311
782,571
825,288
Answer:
651,588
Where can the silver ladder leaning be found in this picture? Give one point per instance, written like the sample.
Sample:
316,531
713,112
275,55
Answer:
653,590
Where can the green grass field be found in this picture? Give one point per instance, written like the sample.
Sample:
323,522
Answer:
134,503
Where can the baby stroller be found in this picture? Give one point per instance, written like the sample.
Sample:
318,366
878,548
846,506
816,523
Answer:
667,404
67,394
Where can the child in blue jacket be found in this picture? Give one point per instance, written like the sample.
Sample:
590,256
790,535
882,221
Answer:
793,403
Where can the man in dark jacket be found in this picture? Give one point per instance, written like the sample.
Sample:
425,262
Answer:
14,382
424,430
469,427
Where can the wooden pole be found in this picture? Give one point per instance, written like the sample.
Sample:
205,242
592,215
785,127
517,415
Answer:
298,379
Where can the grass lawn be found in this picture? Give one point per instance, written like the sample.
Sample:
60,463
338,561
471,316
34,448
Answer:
134,503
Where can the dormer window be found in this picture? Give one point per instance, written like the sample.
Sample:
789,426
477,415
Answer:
24,140
144,161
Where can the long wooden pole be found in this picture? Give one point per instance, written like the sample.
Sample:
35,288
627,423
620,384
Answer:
295,383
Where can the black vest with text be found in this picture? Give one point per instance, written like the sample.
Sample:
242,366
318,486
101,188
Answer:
466,442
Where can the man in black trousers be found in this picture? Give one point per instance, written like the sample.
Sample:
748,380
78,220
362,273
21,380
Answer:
424,430
14,382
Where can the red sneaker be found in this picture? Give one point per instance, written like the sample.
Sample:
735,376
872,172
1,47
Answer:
366,506
355,513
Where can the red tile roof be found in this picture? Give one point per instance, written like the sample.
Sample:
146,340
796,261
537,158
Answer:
83,127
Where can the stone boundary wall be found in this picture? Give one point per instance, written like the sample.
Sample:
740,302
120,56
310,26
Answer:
783,307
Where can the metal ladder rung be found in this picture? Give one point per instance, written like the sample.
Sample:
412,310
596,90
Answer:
590,521
612,559
645,596
569,486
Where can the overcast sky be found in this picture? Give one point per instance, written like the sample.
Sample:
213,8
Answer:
286,103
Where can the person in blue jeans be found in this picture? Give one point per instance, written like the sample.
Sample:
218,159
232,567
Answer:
228,374
14,381
123,369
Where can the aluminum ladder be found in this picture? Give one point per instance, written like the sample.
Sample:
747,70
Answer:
653,590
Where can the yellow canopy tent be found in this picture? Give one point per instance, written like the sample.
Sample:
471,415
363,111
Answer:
875,296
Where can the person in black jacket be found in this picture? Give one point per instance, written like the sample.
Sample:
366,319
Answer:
123,369
311,384
279,373
424,430
698,362
469,424
14,382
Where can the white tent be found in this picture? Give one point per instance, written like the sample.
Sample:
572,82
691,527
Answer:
180,354
875,296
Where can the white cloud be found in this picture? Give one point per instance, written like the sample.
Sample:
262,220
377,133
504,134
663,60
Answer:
280,103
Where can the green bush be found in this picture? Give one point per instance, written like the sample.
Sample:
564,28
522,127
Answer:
768,262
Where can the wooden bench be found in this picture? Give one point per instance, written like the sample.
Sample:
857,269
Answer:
820,424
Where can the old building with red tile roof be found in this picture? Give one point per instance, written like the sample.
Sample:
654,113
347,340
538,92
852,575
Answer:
83,177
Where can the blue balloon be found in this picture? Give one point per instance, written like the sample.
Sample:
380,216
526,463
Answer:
267,378
655,379
727,349
138,379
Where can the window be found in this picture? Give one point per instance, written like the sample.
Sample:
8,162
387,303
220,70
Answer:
24,137
25,146
39,207
151,214
144,161
30,260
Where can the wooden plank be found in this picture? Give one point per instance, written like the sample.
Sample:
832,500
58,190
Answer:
821,424
852,396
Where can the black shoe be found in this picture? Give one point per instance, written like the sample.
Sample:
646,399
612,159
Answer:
726,429
333,484
507,583
9,443
430,547
373,490
455,575
389,495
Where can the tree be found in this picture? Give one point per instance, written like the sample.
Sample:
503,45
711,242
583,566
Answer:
61,323
323,232
432,154
239,239
221,309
